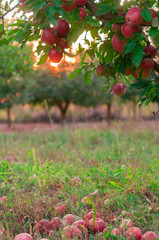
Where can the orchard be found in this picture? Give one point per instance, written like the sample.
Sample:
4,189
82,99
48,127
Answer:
119,39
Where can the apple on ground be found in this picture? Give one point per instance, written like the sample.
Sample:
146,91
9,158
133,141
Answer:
69,219
62,27
118,45
90,215
75,181
43,226
149,236
116,232
55,56
3,199
99,225
56,223
125,224
23,236
133,16
60,209
71,232
133,233
82,225
119,89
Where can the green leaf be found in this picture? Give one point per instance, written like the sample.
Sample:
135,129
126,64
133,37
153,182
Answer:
146,13
155,22
153,31
130,45
87,77
42,59
138,55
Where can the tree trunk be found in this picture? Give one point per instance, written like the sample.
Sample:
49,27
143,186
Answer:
109,112
134,110
47,110
9,117
63,109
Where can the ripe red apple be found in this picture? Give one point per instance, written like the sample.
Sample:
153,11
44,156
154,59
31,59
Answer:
133,16
55,56
125,224
118,45
68,7
150,50
145,74
154,14
3,199
149,236
116,27
69,219
116,232
62,27
119,89
90,215
100,70
60,209
22,1
82,225
147,64
99,225
81,3
133,233
56,223
48,36
63,43
82,13
43,226
23,236
128,71
128,30
72,232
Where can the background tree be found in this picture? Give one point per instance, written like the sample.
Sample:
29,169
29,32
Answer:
16,69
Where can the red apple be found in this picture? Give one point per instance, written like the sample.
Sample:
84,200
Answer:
63,43
106,230
62,27
145,74
116,27
147,64
100,70
133,16
68,7
116,232
3,199
125,224
149,236
99,225
128,30
118,45
56,223
150,50
90,215
55,56
23,236
119,89
133,233
82,13
60,209
82,225
154,14
69,219
48,36
43,226
22,1
81,3
72,232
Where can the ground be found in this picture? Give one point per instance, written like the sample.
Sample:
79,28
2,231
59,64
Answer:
37,163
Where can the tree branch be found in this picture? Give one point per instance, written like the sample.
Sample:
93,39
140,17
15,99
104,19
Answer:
156,66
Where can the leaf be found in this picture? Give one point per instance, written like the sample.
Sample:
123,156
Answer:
74,33
138,55
42,59
155,22
130,45
87,77
146,13
153,31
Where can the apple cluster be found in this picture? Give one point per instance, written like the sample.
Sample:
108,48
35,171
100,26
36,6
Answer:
71,227
133,25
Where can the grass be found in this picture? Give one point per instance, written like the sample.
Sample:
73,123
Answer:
36,169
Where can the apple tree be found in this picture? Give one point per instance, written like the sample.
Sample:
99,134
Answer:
123,42
16,68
